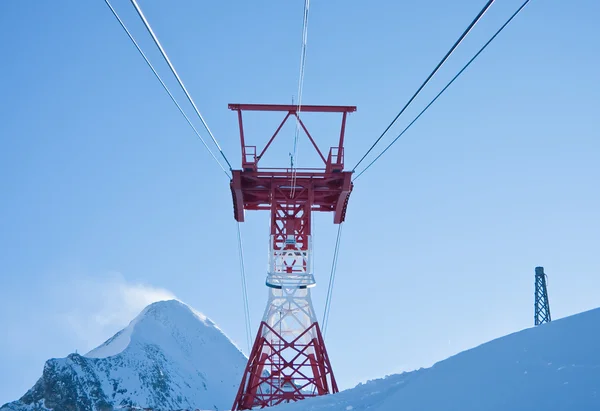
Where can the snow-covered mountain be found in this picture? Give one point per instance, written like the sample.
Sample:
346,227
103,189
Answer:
170,357
553,367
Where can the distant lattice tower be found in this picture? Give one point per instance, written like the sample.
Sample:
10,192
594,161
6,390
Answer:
542,306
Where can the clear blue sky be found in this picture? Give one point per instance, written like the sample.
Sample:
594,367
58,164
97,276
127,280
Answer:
109,201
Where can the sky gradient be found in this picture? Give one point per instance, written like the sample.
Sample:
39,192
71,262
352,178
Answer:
110,202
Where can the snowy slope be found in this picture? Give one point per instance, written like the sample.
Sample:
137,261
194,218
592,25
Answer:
169,357
554,367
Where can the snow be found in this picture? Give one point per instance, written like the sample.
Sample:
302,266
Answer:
173,357
553,367
200,360
115,345
121,340
169,357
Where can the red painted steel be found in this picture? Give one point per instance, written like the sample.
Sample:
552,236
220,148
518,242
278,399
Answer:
294,108
312,373
291,195
325,189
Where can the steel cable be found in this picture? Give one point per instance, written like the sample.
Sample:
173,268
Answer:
331,280
445,88
172,67
244,287
435,70
137,46
294,155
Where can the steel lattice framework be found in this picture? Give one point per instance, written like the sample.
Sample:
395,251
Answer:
542,306
288,361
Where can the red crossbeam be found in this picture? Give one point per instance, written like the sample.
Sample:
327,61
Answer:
292,108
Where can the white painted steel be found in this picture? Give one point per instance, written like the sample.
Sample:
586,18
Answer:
290,268
289,312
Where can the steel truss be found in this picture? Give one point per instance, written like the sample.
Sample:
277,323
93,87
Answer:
541,305
288,361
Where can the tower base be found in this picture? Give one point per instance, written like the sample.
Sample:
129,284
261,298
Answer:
288,361
270,380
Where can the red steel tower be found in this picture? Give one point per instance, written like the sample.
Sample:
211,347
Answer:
288,361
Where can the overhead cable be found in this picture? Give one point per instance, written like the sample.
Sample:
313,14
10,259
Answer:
331,280
435,70
244,287
172,67
137,46
446,87
294,155
301,76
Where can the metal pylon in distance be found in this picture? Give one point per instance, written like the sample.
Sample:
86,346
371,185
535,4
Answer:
288,361
541,305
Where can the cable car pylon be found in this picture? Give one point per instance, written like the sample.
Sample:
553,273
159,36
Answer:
288,361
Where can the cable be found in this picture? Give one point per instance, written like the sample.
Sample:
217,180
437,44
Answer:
301,76
456,44
332,280
294,155
164,85
445,88
244,287
187,94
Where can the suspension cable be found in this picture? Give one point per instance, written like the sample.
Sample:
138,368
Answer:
332,280
294,155
301,76
137,46
446,87
172,67
435,70
244,287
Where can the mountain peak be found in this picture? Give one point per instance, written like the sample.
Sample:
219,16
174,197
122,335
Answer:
155,321
169,357
172,309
